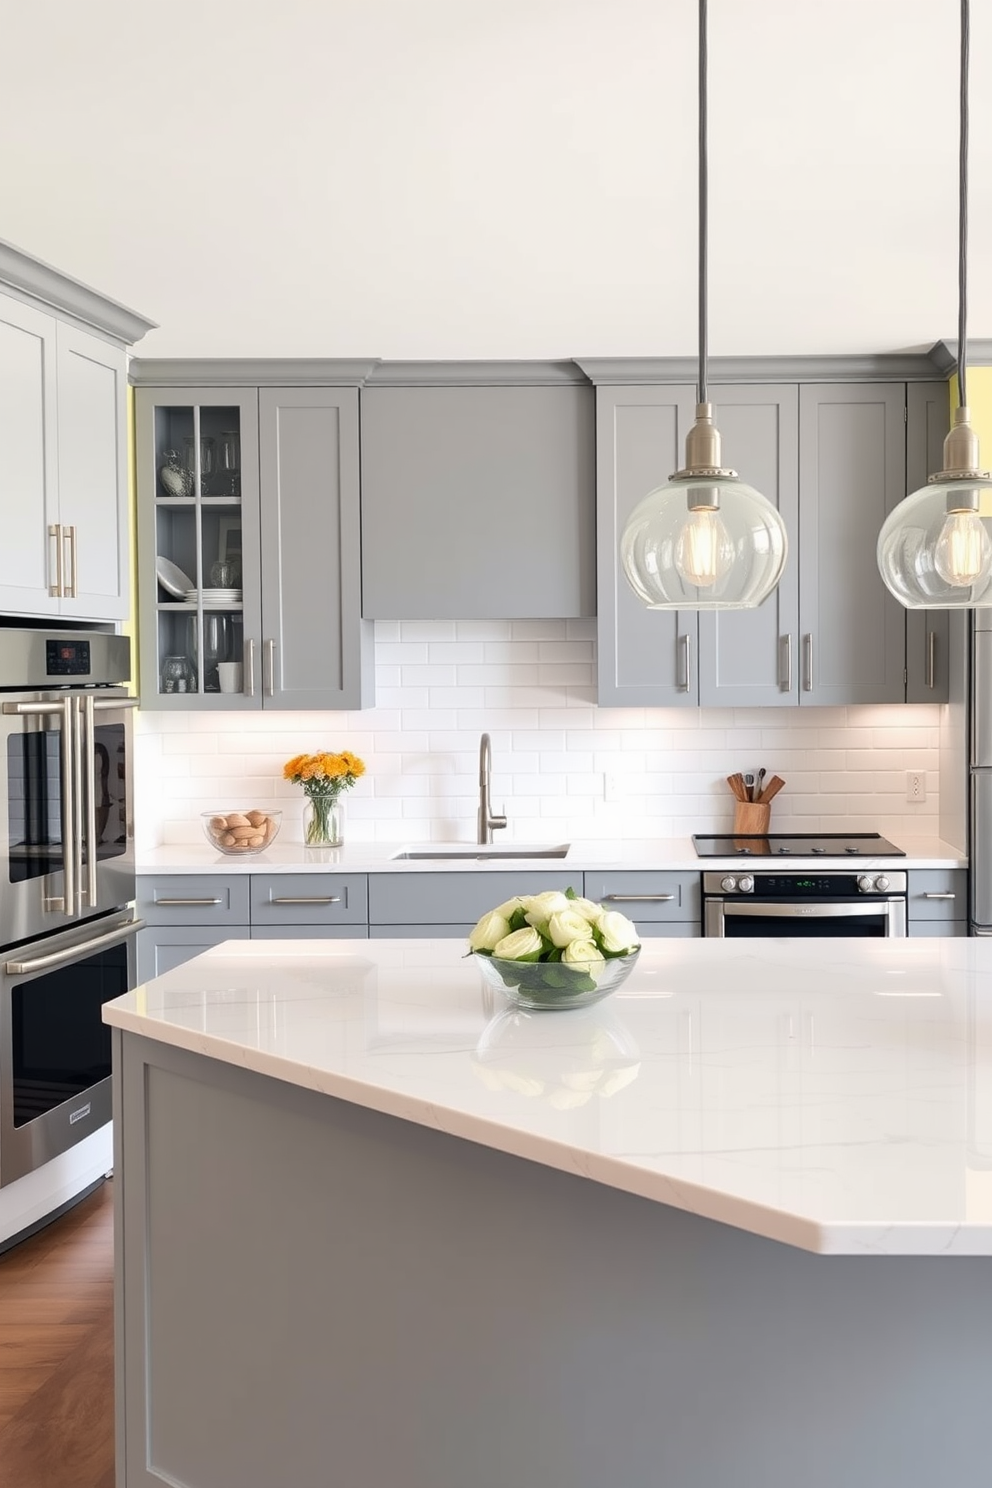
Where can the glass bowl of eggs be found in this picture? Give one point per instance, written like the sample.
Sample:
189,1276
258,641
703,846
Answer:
239,832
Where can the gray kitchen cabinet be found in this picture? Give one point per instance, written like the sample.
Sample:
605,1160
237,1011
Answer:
162,947
63,431
449,903
478,502
938,901
927,631
833,457
645,657
313,899
264,481
852,472
659,903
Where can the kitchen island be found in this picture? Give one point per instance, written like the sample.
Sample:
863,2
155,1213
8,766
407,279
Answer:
376,1228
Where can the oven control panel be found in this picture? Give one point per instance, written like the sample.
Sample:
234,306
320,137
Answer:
805,885
66,657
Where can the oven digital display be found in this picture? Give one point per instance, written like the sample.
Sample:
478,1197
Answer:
67,658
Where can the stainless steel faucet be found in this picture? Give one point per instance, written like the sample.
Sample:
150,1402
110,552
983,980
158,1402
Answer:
486,819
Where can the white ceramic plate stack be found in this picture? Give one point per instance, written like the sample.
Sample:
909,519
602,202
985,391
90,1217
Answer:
215,596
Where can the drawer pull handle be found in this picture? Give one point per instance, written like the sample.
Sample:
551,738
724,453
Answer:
308,899
940,896
187,903
639,898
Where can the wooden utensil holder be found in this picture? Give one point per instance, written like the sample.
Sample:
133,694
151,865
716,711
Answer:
751,817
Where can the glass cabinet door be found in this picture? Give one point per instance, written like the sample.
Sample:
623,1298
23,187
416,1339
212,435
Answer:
198,545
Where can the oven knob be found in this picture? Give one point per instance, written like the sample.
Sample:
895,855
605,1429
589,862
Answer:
728,884
866,884
746,884
881,883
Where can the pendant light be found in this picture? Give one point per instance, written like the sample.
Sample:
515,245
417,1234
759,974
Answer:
706,540
935,548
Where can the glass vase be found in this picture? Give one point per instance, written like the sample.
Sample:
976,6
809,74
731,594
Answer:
323,821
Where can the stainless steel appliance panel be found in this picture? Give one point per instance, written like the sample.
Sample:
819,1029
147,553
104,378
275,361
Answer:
981,851
981,700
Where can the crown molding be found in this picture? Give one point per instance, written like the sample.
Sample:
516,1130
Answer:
478,374
28,275
866,367
250,371
944,355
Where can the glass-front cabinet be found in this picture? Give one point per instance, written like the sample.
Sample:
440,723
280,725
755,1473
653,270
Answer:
198,545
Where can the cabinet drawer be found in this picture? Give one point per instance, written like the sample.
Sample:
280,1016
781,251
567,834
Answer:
648,897
423,932
161,948
309,932
942,928
309,899
938,894
447,899
192,899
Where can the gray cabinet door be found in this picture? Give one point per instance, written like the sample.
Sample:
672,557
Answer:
93,492
162,947
478,503
852,472
29,468
747,658
928,416
316,651
646,657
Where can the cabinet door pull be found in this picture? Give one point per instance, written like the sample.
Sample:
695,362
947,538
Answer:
249,668
69,534
685,645
269,669
188,903
940,896
639,898
307,899
808,662
785,663
56,590
931,658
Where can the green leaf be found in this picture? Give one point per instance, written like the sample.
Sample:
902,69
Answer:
570,893
518,920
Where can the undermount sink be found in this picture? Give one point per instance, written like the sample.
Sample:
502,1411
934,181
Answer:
476,852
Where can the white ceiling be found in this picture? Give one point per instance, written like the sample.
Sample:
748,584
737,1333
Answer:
499,178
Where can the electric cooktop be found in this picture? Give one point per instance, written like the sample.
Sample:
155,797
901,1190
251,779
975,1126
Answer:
796,845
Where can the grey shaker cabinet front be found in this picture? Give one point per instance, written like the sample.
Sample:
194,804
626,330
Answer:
29,478
852,472
478,502
927,631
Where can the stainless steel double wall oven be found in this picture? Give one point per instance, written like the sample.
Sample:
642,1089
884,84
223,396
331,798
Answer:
67,883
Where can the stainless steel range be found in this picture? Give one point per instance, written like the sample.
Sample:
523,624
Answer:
758,900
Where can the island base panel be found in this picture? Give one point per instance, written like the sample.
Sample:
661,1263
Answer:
315,1295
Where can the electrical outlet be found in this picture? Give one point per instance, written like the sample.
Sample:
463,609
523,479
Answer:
611,786
916,786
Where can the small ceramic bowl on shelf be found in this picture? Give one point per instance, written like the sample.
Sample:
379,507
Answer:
554,985
238,833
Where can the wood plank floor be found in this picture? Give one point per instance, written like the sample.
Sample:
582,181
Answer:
56,1352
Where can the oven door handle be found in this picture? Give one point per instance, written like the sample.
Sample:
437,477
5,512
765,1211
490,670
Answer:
106,705
90,770
807,911
73,952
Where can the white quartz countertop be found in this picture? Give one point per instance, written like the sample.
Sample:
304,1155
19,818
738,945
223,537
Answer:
835,1095
467,857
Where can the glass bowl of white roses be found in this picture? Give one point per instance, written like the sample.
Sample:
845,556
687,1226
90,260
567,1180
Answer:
554,950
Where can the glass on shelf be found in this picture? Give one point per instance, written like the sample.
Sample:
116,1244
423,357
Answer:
178,674
173,477
218,643
207,447
229,479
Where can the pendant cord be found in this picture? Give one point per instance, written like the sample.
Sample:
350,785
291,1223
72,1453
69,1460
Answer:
703,246
963,211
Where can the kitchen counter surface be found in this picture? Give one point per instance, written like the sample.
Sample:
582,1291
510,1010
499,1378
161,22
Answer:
839,1102
675,853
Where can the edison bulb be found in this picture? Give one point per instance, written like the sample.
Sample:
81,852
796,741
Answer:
704,552
963,552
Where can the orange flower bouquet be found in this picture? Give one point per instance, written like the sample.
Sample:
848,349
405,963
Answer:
324,777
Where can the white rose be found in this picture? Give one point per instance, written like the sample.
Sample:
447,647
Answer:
509,909
567,925
521,945
490,929
587,908
539,908
618,933
581,953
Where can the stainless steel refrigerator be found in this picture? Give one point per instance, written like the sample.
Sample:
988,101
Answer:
980,812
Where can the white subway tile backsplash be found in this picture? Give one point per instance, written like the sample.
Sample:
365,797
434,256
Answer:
531,686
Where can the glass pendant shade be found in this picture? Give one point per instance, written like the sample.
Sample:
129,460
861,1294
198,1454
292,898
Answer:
935,548
703,543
